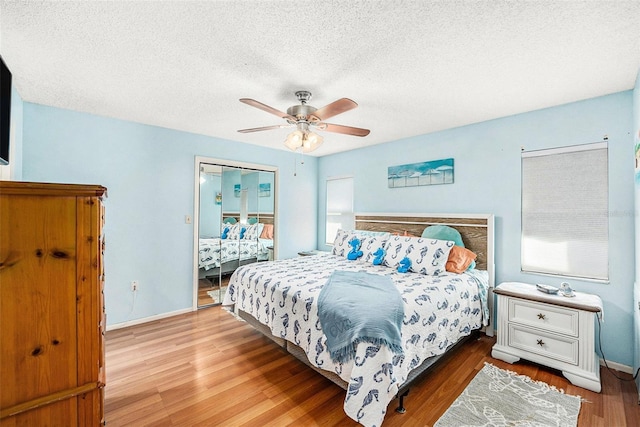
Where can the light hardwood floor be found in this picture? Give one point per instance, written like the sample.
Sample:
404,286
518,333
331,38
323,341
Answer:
204,286
208,369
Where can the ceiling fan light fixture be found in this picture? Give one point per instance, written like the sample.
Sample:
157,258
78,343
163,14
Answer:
308,141
294,140
311,142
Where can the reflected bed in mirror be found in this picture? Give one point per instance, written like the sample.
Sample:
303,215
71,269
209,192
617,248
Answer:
235,222
222,255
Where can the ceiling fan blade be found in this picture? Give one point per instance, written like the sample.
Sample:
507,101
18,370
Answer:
264,128
347,130
265,107
333,109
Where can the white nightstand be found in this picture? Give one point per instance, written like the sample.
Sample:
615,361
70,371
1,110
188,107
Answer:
310,253
552,330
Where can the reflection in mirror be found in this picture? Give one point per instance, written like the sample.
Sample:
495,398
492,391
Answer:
236,225
209,220
265,213
231,227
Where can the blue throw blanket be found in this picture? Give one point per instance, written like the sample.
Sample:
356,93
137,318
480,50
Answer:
356,307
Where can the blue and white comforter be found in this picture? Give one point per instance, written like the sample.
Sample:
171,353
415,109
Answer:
438,310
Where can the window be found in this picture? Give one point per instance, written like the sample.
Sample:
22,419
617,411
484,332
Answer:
339,207
565,222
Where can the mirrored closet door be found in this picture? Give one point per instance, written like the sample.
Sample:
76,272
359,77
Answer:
236,213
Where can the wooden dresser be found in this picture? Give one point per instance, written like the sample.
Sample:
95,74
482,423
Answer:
51,305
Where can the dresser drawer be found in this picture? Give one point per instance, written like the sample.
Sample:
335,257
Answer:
564,349
544,316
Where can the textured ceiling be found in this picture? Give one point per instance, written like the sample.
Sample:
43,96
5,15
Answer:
414,67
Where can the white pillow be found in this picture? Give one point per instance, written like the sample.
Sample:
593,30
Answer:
370,245
234,231
341,245
365,233
427,256
253,231
397,248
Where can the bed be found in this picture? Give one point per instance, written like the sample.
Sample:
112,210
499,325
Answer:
280,299
217,255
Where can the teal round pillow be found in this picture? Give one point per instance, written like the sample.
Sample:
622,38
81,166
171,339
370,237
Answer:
444,232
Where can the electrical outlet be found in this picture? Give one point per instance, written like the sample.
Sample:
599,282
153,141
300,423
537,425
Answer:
134,285
187,219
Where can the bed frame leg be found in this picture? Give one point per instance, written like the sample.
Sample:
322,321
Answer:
401,409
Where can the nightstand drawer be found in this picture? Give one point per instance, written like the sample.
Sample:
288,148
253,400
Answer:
556,347
544,316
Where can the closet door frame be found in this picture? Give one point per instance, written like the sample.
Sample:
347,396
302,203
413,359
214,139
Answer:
196,209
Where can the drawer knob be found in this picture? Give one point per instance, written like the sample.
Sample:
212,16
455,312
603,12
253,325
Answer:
541,343
541,316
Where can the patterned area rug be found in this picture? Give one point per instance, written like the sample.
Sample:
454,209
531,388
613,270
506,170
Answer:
496,397
214,295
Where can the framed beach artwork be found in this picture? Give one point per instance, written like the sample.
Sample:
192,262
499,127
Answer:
236,190
417,174
264,190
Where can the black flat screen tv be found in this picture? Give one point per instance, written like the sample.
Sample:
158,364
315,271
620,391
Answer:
5,112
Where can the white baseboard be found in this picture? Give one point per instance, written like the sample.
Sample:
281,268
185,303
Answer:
618,366
148,319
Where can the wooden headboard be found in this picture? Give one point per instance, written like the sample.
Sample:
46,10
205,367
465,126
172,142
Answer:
477,230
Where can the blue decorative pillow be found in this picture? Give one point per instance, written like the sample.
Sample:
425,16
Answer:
405,265
225,233
444,232
355,251
378,256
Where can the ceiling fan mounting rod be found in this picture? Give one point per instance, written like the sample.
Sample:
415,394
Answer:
303,96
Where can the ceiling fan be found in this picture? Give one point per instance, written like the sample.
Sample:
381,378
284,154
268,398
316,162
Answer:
305,118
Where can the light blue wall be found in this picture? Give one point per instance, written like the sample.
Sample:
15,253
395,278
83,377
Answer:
230,178
15,158
210,214
487,180
149,173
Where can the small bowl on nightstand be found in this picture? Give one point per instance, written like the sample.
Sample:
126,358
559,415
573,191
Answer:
566,291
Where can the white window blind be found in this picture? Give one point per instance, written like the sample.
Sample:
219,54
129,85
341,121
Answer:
339,207
565,222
